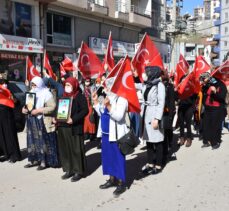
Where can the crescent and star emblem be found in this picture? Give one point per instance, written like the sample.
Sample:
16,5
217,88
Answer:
140,53
84,61
124,78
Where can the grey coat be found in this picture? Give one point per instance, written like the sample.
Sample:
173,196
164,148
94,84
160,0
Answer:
154,110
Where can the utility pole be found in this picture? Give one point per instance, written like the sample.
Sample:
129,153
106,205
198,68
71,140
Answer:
173,37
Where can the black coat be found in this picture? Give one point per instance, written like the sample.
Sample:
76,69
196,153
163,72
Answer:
78,112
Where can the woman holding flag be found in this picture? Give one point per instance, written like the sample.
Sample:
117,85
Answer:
9,146
112,127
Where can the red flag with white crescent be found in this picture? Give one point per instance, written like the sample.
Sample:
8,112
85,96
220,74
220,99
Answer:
6,97
62,71
88,63
67,64
48,67
124,86
146,55
222,72
200,67
109,56
182,69
31,71
187,86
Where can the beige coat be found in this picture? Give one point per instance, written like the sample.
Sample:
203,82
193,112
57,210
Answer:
49,109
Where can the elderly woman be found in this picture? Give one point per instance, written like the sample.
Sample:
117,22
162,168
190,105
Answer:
154,101
41,135
112,127
71,134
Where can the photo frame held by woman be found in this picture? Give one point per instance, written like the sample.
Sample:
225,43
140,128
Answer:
64,105
30,101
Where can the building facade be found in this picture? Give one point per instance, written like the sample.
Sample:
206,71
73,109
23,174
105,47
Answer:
199,13
224,31
19,36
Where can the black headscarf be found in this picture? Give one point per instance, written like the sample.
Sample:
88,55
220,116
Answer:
153,73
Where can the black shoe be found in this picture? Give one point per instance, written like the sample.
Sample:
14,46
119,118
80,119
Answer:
67,175
40,168
216,146
108,184
119,190
30,165
156,171
147,170
205,145
76,177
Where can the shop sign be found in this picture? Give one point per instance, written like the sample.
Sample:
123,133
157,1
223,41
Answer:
12,56
121,49
20,44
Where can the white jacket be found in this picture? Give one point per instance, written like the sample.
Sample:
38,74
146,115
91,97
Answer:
118,111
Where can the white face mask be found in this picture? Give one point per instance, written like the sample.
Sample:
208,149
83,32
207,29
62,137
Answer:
144,77
97,85
68,89
4,85
87,83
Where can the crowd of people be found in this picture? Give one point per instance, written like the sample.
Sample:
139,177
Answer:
100,115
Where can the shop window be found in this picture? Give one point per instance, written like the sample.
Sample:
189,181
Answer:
59,29
15,18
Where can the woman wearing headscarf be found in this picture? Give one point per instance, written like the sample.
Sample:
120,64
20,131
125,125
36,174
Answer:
154,101
111,128
214,91
9,146
41,135
71,133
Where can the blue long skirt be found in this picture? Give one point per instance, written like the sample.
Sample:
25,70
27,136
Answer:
113,161
41,146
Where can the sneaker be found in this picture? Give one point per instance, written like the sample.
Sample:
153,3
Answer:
108,184
119,190
156,170
40,168
146,170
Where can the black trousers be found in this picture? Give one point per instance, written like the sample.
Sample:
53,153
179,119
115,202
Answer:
185,119
168,140
155,153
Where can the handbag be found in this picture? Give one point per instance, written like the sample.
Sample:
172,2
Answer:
128,142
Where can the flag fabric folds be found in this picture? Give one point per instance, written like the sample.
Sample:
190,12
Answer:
31,71
146,55
124,86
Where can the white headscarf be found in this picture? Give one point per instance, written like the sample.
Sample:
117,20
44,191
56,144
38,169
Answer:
42,92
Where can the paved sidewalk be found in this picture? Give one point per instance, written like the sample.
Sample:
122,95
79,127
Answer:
197,180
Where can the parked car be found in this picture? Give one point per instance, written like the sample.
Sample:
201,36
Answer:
18,89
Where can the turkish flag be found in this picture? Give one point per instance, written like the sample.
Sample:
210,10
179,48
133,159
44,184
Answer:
48,67
124,86
31,71
88,63
187,86
62,71
200,67
67,64
109,57
6,97
182,69
113,73
146,55
222,72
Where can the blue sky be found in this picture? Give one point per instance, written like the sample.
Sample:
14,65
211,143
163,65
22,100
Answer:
190,4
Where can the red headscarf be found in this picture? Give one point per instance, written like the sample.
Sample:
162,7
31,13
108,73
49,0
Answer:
75,87
6,97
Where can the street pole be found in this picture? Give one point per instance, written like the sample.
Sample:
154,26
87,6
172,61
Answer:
173,37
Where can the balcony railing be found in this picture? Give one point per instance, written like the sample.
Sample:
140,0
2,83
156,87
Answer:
122,6
98,6
217,22
217,9
140,11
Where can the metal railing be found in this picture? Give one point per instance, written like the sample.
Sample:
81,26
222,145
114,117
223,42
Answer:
122,6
